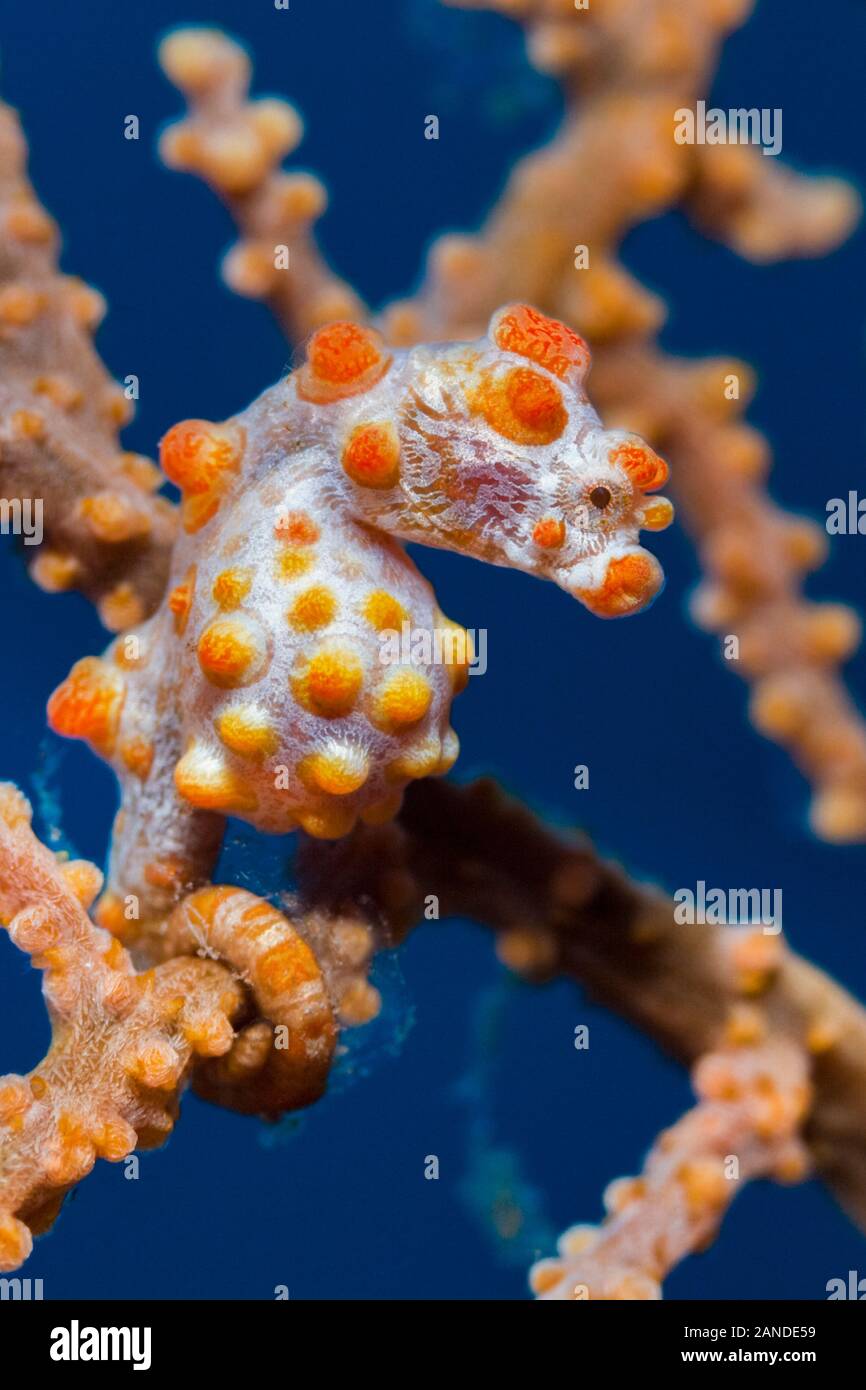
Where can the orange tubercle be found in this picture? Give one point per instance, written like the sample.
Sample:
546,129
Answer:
88,704
109,914
83,878
202,779
54,571
657,514
121,607
331,682
402,699
248,731
383,611
549,533
201,458
291,563
371,455
536,402
342,352
523,330
197,510
459,654
231,587
312,609
137,754
111,517
523,406
630,581
196,454
329,822
180,600
343,359
338,768
296,528
646,470
231,651
169,872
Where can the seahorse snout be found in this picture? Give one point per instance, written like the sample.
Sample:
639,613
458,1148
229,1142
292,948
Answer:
615,586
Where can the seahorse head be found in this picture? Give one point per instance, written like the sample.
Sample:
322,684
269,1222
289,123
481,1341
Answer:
497,453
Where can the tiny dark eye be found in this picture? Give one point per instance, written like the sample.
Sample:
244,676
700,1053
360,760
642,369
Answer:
599,497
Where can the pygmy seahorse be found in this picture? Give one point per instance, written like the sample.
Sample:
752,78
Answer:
260,688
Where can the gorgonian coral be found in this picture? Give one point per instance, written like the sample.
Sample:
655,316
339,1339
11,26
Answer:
106,529
252,679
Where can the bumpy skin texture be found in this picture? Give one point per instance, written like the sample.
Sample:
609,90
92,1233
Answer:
263,688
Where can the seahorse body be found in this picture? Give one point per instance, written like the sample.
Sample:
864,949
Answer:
264,687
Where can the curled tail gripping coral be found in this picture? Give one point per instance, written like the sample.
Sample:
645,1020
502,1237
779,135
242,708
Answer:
260,688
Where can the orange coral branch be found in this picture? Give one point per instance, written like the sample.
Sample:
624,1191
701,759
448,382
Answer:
237,146
754,556
752,1102
123,1043
105,532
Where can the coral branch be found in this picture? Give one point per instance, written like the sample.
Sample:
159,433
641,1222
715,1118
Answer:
745,1126
559,909
123,1043
754,556
237,146
104,530
765,211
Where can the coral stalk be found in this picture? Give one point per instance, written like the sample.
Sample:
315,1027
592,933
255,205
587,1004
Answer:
560,910
237,146
103,528
123,1043
752,1102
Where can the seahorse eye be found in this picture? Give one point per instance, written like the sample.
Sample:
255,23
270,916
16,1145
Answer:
600,497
